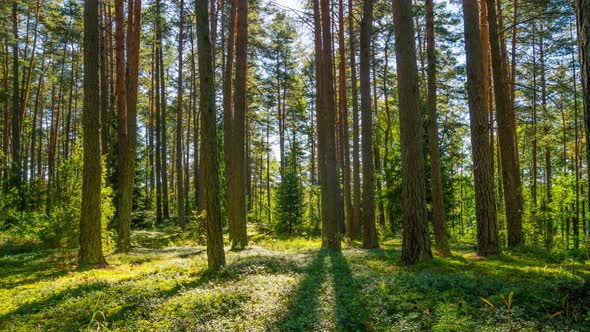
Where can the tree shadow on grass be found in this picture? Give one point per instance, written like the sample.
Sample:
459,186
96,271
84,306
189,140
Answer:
302,314
349,308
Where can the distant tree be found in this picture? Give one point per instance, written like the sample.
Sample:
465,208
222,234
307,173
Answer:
289,197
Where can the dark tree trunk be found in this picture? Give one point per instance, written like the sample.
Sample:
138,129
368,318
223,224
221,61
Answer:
506,133
90,218
15,119
416,242
237,141
332,214
344,139
438,210
583,22
485,203
356,180
180,204
209,164
370,239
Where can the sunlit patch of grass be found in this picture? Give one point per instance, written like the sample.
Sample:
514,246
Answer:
290,284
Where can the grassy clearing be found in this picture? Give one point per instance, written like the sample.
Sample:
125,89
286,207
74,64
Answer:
291,285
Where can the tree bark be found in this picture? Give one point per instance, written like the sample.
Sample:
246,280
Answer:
485,200
583,23
438,210
342,101
15,118
238,144
416,241
90,212
209,165
180,204
370,239
356,180
506,119
332,213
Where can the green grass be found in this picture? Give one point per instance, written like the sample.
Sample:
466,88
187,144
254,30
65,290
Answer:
291,284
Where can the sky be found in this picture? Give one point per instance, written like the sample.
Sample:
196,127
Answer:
295,4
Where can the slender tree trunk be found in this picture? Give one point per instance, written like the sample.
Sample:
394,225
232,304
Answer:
356,180
90,218
506,133
534,129
159,216
104,81
122,134
39,102
487,78
344,140
332,214
583,27
438,210
209,164
487,226
15,119
240,236
27,82
549,224
380,211
163,138
576,217
180,204
416,242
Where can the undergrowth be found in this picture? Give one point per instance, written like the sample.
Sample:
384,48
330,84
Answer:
291,284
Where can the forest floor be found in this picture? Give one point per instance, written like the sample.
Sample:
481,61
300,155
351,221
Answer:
292,285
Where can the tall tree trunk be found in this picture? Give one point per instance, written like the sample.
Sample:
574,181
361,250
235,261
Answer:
576,217
15,119
534,129
487,226
238,144
506,119
549,225
344,140
438,211
163,138
122,134
228,115
209,164
487,78
380,211
583,23
104,80
416,242
356,180
332,213
180,204
159,216
90,212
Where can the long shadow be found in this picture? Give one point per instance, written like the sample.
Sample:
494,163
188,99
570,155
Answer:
350,308
302,314
48,302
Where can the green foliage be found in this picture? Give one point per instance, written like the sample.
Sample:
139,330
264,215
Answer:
292,285
289,203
